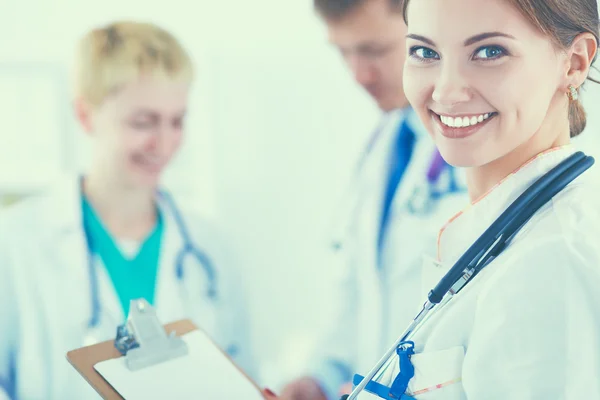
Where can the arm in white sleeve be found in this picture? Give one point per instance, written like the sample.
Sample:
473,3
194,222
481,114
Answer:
233,333
234,311
536,332
8,325
236,319
335,358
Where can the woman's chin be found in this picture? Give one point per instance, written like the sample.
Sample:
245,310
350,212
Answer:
143,181
459,157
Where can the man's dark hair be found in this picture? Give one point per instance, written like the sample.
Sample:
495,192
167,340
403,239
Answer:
336,9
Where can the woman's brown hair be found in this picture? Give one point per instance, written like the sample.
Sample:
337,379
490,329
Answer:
562,21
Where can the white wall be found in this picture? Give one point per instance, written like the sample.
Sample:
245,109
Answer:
589,140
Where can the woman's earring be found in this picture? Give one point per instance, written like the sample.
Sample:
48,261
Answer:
573,94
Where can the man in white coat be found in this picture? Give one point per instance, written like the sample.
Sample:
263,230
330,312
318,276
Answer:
403,192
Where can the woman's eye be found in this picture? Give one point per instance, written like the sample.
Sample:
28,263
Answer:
424,53
489,53
142,125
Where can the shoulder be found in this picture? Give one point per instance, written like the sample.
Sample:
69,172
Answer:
58,203
20,235
571,223
580,199
25,214
558,251
207,235
203,229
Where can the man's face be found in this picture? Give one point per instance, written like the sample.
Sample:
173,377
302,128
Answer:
371,40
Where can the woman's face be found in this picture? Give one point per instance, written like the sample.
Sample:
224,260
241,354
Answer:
483,80
138,129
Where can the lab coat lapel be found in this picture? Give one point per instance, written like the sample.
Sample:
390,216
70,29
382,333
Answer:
168,297
415,177
186,298
66,242
63,268
371,184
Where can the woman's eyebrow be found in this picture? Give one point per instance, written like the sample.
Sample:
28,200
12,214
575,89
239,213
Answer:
472,40
420,38
486,35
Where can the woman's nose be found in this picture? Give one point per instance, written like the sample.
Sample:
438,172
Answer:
451,88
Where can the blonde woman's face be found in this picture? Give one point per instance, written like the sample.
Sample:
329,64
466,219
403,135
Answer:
138,129
481,77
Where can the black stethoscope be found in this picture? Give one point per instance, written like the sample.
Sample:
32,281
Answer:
188,249
485,249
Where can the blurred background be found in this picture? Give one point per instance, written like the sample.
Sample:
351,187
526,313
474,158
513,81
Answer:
274,128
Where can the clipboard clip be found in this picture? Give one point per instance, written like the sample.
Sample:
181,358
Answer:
143,340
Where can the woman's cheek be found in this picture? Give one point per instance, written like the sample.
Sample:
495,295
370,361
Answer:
410,85
417,87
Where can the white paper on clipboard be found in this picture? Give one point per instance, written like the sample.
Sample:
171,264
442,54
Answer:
204,373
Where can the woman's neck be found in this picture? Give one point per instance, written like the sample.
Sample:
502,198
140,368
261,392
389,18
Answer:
482,179
127,213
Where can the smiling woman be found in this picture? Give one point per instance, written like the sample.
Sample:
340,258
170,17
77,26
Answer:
493,89
496,84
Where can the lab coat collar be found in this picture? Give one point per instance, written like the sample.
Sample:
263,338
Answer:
63,214
64,211
465,227
169,306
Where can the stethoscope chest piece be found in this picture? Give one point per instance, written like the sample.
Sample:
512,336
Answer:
420,201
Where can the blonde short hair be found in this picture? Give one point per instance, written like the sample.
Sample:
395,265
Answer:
121,52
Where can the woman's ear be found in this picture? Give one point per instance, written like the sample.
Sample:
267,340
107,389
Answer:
83,113
580,57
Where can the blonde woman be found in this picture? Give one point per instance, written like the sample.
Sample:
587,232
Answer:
72,259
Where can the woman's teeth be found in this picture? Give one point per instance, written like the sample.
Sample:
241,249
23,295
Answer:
460,122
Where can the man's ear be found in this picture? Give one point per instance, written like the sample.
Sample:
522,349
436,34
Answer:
580,57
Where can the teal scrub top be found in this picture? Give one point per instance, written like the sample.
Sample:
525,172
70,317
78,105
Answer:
132,278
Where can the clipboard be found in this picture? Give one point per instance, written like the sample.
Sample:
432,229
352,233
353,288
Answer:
85,359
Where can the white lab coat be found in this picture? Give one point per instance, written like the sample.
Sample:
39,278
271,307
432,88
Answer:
359,306
528,326
46,303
